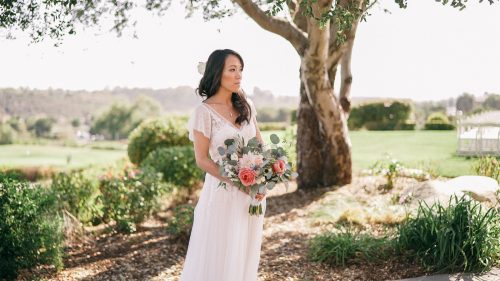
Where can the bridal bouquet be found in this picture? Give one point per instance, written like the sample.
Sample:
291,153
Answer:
252,168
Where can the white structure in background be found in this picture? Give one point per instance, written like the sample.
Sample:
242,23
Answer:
479,134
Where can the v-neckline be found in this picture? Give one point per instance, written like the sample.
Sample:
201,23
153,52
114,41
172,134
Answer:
224,118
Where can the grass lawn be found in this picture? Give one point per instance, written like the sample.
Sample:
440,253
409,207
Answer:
57,156
434,150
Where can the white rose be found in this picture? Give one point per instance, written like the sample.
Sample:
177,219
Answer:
234,157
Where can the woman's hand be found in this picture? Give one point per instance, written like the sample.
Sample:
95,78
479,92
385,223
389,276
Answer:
260,196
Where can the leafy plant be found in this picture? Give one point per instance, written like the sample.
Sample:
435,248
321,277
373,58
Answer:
156,133
460,237
30,228
488,166
76,194
347,246
130,196
177,164
182,221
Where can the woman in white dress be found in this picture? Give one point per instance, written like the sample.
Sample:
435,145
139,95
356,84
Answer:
225,240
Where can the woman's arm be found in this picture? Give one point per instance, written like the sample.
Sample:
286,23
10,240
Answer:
201,145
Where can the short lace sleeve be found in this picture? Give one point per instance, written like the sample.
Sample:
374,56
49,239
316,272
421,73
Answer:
200,120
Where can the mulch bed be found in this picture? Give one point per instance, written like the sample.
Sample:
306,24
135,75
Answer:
152,254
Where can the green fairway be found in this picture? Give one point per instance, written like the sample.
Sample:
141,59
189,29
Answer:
416,149
57,156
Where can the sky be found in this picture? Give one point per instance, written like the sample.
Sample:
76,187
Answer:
425,52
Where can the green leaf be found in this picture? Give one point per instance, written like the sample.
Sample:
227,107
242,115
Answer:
221,150
274,139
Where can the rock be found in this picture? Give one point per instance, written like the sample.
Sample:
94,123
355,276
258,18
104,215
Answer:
429,191
480,188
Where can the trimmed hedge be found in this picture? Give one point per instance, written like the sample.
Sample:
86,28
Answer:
439,126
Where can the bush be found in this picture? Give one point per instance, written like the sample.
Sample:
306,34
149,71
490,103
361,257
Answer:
177,164
438,118
438,126
32,174
460,237
379,116
30,228
130,196
7,134
338,249
488,166
182,221
272,126
77,195
154,134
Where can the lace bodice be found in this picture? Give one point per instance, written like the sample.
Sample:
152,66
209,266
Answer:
214,126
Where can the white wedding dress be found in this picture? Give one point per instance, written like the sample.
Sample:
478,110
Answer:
225,240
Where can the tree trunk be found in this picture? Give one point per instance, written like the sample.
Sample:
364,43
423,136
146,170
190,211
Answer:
309,145
329,135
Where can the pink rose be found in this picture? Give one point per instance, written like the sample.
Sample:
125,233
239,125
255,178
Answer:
247,176
279,167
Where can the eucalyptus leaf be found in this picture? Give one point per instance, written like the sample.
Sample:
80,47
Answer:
253,142
262,189
221,150
229,142
274,139
270,185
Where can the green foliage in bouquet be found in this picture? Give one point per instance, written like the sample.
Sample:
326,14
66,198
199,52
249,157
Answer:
253,168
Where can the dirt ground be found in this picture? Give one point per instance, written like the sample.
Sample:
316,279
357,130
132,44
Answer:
152,254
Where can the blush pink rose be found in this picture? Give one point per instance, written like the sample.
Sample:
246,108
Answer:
279,167
247,176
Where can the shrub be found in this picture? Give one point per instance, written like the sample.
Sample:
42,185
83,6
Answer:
272,126
153,134
32,174
177,164
7,134
338,249
182,221
460,237
488,166
30,228
77,195
438,121
379,116
438,126
130,196
438,118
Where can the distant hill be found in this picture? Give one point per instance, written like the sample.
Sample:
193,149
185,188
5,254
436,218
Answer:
65,104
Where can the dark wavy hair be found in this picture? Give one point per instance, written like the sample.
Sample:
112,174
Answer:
211,82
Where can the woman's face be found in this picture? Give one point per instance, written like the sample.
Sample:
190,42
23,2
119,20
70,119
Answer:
232,74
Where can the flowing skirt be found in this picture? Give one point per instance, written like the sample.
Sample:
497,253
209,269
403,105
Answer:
225,240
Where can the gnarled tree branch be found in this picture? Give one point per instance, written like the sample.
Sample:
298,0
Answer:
284,28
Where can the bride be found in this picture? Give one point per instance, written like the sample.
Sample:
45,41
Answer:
225,240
